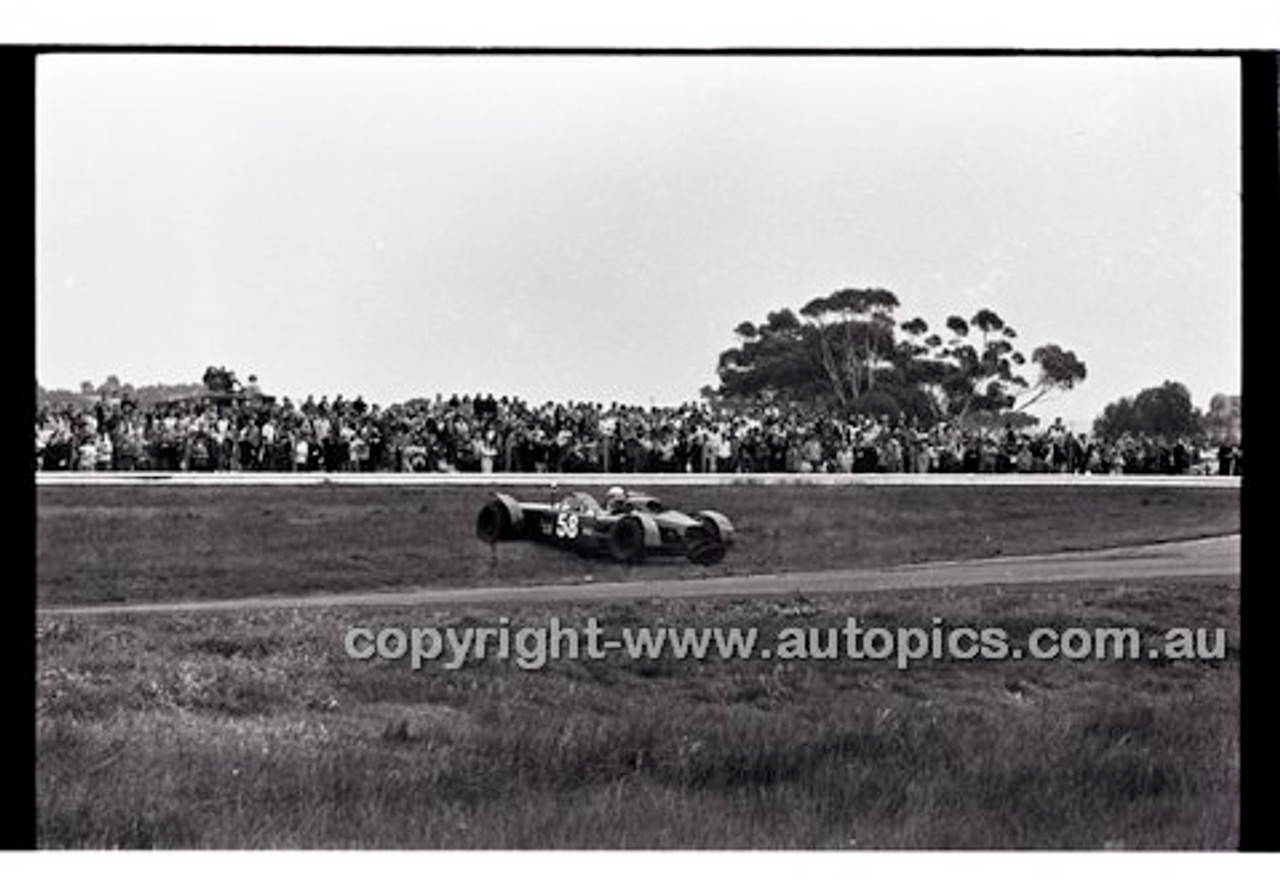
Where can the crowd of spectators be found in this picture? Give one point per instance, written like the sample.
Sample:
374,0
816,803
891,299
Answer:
486,434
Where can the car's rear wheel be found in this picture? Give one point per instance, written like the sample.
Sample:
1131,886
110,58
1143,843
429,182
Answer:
626,544
494,522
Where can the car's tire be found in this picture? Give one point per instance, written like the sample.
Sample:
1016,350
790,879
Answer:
703,544
626,543
719,524
494,522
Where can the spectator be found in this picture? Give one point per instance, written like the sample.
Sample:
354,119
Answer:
104,453
487,434
301,451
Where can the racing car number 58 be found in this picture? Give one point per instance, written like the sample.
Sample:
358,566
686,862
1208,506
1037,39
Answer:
567,525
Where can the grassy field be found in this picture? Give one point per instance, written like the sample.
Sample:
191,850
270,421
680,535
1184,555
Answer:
255,729
150,544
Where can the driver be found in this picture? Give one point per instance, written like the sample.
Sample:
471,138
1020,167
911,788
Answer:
615,499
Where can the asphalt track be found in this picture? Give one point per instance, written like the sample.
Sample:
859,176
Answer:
1199,558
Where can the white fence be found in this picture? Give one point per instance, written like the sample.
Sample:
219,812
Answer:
634,480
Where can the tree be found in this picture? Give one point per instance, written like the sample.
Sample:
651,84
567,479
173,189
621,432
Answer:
854,329
111,388
772,358
1164,411
846,350
916,327
977,375
220,380
145,395
1222,421
979,368
1059,370
999,420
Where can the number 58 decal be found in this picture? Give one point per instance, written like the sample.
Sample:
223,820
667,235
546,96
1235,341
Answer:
567,525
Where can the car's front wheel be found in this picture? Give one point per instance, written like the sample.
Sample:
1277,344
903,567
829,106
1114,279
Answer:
703,544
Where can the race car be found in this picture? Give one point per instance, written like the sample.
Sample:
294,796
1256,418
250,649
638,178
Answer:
629,527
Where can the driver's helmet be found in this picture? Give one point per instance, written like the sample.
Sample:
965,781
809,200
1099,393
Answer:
615,497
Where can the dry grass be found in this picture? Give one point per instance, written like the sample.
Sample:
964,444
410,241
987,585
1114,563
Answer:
255,730
149,544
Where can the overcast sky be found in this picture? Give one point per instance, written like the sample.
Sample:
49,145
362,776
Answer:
594,227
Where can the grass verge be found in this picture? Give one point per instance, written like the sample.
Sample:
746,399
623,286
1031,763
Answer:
256,730
128,544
